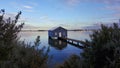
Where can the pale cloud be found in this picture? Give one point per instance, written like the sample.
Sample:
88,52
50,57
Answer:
48,21
44,18
115,8
65,25
117,15
108,1
110,5
22,19
28,27
72,2
33,4
27,7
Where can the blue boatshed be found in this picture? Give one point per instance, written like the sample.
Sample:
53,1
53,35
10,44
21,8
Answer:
56,32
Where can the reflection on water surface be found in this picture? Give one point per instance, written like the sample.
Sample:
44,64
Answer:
58,49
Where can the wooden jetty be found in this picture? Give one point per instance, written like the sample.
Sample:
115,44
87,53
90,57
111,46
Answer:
77,43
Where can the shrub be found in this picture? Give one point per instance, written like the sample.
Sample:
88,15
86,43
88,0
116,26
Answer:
103,50
8,34
18,54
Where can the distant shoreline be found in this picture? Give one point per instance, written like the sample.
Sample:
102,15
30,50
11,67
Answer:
47,30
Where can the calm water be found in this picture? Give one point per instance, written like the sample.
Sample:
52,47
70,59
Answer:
59,50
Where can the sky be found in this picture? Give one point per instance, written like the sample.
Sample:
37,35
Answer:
71,14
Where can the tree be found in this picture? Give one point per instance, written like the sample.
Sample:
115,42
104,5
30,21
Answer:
103,50
9,28
8,33
18,54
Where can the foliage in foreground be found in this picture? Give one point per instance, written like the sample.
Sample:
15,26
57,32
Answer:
103,50
15,53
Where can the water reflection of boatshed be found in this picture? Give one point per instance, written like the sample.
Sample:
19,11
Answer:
58,44
56,32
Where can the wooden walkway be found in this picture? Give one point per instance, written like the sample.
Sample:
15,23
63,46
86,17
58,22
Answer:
77,43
